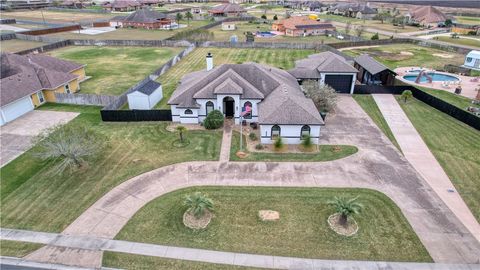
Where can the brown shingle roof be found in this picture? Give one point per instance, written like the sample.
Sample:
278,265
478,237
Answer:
302,22
122,4
227,8
427,14
145,16
315,64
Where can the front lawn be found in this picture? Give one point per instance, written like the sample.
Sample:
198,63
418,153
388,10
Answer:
326,153
17,249
34,198
115,69
302,230
455,146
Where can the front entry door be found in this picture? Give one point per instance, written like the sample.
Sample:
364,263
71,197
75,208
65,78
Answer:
229,112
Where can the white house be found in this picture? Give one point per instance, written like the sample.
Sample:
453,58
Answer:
277,101
472,60
146,96
228,26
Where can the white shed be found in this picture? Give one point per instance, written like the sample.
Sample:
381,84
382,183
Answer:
472,60
228,26
146,96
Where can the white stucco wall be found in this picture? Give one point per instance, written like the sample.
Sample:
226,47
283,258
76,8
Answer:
178,115
290,134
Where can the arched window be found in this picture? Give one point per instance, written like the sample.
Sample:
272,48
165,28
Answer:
245,105
209,105
305,131
188,111
275,131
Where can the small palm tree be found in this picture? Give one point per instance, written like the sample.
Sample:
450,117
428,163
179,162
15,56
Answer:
198,203
188,16
346,208
407,94
178,18
181,130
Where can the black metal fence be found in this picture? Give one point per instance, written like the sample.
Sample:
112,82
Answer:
135,115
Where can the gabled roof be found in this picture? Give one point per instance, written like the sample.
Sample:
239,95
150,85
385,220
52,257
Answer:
227,8
354,7
474,54
145,16
315,64
228,87
427,14
303,22
122,4
370,64
149,87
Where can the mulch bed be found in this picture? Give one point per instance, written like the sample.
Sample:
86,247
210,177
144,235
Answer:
192,222
349,230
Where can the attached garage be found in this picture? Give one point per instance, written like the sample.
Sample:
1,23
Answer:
12,111
341,83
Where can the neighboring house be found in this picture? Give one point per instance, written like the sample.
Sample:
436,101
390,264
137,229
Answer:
227,10
314,6
277,101
327,68
150,3
228,26
299,26
31,80
371,72
146,96
72,4
354,10
122,5
472,60
196,10
143,18
426,15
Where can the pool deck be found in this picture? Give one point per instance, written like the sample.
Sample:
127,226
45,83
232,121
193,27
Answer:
469,85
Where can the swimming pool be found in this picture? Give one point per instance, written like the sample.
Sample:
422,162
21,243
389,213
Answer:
436,77
265,34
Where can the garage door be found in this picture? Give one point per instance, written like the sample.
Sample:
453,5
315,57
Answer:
14,110
341,83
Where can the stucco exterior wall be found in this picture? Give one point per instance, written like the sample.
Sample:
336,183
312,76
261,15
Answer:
290,134
80,73
178,115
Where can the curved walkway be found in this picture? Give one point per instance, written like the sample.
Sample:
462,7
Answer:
378,165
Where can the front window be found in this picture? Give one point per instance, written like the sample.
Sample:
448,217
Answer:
305,131
67,88
244,109
188,111
469,59
275,132
209,106
40,96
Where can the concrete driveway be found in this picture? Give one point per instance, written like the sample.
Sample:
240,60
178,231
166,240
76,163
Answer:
16,137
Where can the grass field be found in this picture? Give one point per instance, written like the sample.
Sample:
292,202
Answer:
369,105
17,249
115,69
455,146
195,61
16,45
402,55
55,16
461,41
370,23
456,100
34,198
302,230
468,20
326,153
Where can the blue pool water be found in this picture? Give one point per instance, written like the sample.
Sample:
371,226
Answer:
436,77
265,34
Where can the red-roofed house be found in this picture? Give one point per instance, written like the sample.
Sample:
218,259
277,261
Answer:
299,26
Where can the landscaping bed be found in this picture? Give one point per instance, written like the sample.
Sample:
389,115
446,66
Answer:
301,231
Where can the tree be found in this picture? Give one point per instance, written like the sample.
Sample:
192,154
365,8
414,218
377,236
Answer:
346,208
348,28
359,30
213,120
197,204
188,16
181,130
178,17
264,16
324,96
275,17
278,143
375,37
448,22
407,94
70,145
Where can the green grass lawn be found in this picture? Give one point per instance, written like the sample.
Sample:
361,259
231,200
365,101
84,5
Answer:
468,20
129,261
456,100
455,146
461,41
115,69
16,45
403,55
17,249
369,105
326,153
302,230
34,198
195,61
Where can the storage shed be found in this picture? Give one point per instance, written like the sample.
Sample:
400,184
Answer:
146,96
472,60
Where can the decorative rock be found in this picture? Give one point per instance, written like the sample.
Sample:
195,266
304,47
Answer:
241,154
268,215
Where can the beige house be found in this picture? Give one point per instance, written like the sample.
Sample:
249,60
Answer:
228,26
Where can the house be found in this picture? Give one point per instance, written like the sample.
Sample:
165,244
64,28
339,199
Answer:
150,3
143,18
277,101
463,29
227,10
472,60
298,26
145,96
228,26
354,10
313,6
426,15
326,68
31,80
122,5
371,72
196,10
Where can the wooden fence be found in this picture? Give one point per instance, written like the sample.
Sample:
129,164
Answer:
85,99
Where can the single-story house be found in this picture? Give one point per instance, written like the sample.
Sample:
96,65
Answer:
27,81
143,18
227,10
327,68
228,26
277,101
354,10
146,96
426,15
122,5
150,3
298,26
313,6
371,72
472,60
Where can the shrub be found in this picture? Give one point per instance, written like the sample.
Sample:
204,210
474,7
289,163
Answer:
264,16
324,97
259,146
346,207
252,136
278,143
407,94
275,17
198,203
307,141
213,120
375,37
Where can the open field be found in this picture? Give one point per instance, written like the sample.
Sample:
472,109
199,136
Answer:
403,55
455,146
17,249
370,23
370,107
115,69
467,41
195,61
56,16
468,20
16,45
302,230
33,197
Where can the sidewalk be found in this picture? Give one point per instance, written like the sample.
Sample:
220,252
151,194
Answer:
226,140
418,154
211,256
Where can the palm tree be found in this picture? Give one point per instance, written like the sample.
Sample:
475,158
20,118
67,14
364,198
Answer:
178,18
346,207
198,203
188,16
407,94
181,130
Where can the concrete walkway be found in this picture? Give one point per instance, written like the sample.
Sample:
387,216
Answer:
418,154
226,140
211,256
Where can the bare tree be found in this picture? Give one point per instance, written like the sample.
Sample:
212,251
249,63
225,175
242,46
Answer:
359,30
324,96
348,28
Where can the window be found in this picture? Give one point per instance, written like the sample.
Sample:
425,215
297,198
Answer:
469,59
305,131
188,111
209,105
275,131
245,105
40,96
67,88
